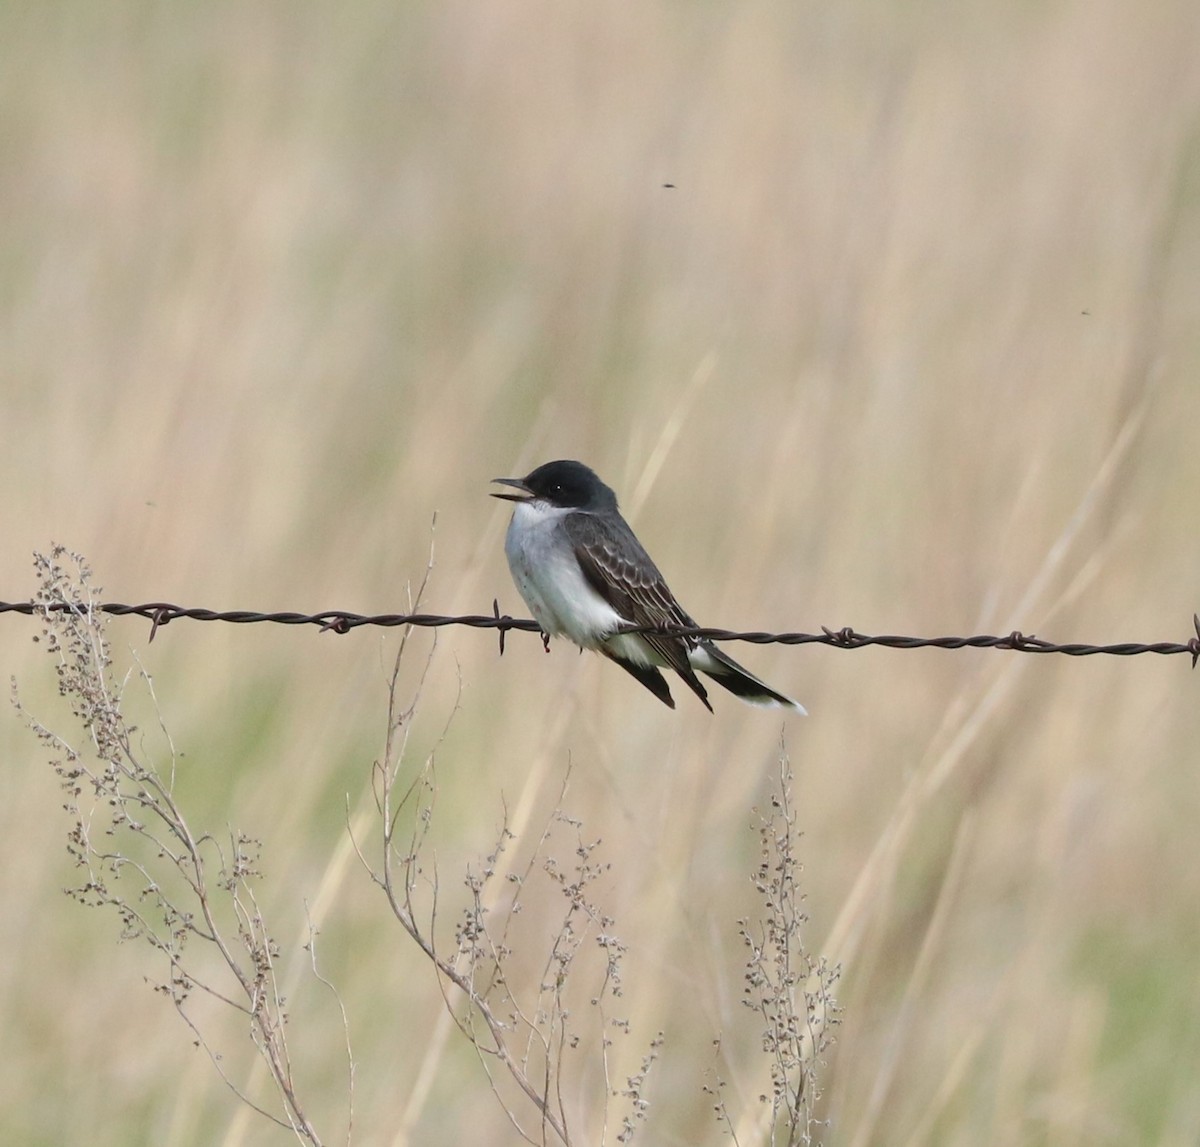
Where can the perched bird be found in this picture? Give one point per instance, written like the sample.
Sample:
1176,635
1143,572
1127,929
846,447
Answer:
585,576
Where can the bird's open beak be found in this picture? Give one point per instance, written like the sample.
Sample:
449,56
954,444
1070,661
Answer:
519,483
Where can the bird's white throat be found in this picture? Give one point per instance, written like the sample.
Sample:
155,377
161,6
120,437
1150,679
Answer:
547,574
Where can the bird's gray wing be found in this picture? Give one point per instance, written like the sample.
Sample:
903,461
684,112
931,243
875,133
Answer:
620,570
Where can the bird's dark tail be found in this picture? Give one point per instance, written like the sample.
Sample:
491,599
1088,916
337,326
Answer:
648,676
739,681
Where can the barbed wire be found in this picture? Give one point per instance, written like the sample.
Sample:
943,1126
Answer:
160,613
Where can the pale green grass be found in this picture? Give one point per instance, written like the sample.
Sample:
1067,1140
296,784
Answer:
912,345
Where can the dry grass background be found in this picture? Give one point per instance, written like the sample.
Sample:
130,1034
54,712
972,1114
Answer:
912,344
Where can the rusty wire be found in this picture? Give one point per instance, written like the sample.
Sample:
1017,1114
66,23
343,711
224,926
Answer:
160,613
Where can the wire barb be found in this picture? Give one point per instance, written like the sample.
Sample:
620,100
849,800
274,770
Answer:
498,617
160,613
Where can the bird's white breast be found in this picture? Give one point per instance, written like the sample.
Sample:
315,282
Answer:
547,574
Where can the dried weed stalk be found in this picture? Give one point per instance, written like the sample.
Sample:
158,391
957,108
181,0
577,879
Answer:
187,894
788,989
522,1035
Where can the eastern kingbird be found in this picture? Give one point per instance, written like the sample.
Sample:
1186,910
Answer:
585,576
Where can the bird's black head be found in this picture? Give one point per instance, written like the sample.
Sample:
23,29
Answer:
571,485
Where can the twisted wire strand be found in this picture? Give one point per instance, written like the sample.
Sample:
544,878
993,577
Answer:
160,613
